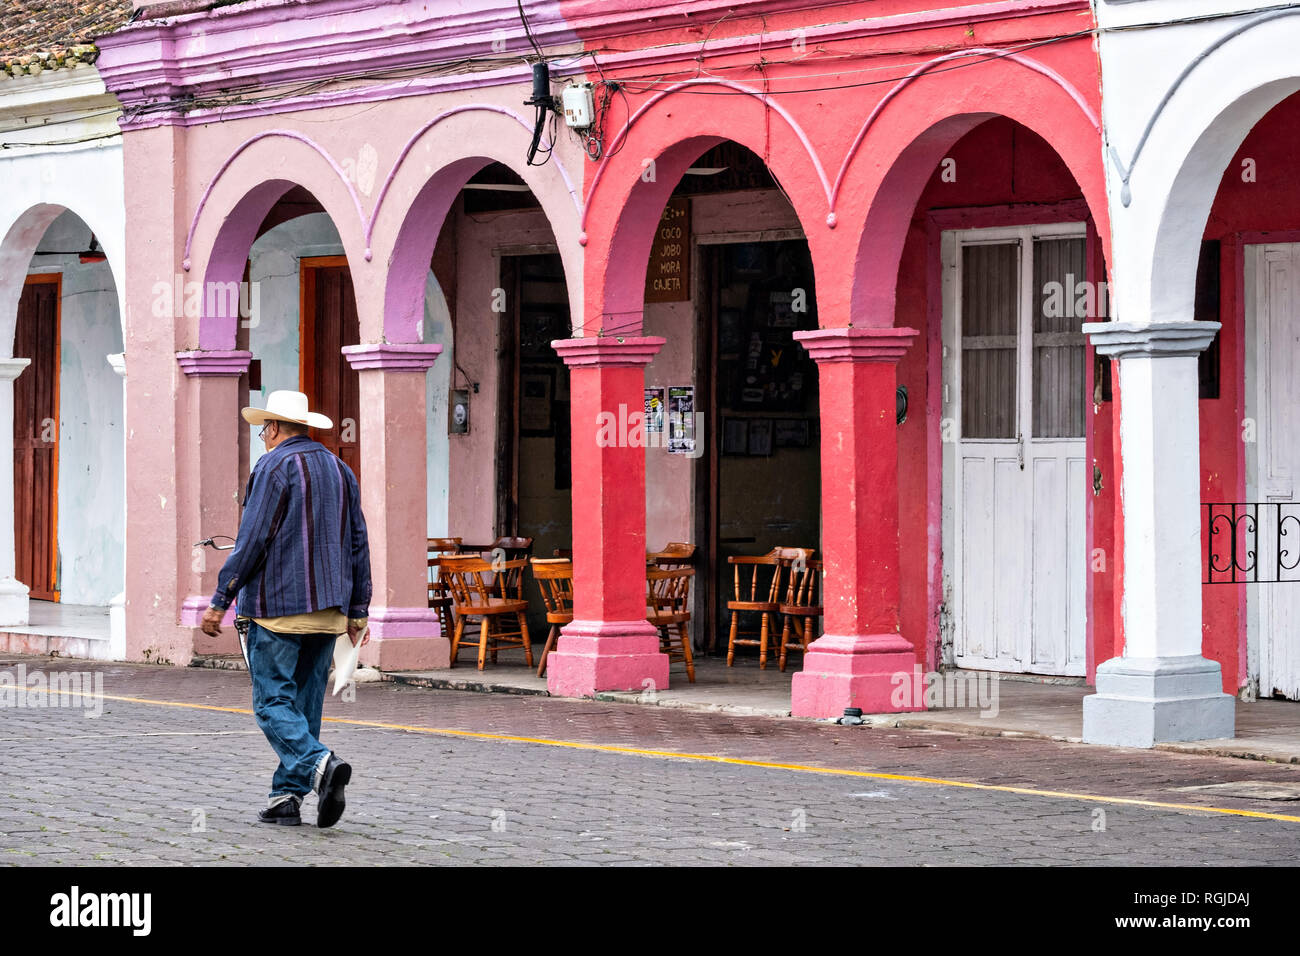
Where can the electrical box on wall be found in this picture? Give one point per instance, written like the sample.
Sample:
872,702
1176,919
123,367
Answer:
579,106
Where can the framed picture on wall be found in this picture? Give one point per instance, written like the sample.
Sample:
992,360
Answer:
791,433
536,398
760,436
735,436
536,330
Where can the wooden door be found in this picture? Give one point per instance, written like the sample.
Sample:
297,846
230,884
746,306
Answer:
36,437
329,322
1276,397
1015,482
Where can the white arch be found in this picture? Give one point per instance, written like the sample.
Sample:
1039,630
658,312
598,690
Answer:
38,187
1168,166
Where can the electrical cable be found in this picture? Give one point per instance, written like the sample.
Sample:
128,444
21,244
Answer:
626,84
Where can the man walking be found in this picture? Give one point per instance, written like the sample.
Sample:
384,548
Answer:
301,570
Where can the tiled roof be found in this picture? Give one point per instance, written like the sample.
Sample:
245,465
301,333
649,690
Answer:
37,35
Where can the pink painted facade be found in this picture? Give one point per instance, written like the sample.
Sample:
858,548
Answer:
884,128
386,157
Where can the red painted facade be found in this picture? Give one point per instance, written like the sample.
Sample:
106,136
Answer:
855,128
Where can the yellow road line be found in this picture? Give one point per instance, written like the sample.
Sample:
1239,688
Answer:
731,761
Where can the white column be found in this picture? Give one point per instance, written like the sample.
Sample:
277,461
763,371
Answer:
1162,688
117,607
13,593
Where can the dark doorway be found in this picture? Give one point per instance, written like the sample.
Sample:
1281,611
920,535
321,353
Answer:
36,437
534,497
329,322
761,488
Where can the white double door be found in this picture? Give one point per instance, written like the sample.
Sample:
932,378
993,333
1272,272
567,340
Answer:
1273,402
1015,470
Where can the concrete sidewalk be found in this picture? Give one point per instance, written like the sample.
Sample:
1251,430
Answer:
1266,730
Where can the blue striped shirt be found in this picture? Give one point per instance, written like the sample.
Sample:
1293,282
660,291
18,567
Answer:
302,542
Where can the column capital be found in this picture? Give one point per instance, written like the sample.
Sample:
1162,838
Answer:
616,352
1150,340
11,368
406,357
857,345
214,362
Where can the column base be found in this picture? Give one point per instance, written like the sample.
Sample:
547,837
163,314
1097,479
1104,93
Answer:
226,644
117,627
406,639
594,656
13,603
1141,702
865,671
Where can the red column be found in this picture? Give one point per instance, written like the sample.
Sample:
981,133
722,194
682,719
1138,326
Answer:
861,660
609,645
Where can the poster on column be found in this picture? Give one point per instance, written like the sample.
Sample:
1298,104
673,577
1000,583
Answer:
681,420
654,409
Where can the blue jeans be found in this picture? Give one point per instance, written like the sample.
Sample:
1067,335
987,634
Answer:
289,673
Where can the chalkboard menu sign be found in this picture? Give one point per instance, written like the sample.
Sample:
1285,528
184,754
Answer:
668,275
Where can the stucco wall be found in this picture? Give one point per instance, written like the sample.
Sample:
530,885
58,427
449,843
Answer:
274,338
91,489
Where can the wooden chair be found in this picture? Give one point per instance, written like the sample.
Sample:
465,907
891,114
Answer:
668,603
439,596
554,578
514,548
801,605
492,593
675,554
758,588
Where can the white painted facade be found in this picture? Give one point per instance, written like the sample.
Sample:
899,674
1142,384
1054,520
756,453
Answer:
1183,83
63,180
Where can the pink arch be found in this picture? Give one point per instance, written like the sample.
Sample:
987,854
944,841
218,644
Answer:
420,221
268,134
447,114
230,252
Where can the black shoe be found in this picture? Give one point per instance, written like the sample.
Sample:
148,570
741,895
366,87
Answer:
286,814
332,781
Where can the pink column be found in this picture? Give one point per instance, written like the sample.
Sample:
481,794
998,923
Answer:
609,645
213,404
404,631
861,660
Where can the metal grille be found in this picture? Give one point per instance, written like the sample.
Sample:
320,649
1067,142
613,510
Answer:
1251,542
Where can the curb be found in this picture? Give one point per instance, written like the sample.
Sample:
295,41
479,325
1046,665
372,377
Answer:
876,721
458,683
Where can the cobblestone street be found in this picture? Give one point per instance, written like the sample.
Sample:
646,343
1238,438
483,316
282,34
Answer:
177,775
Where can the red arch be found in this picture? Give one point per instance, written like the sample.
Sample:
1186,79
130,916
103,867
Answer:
912,128
623,208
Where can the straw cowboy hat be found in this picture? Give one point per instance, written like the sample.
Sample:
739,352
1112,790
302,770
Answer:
285,406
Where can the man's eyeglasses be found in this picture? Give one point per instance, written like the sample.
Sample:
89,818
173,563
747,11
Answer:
262,434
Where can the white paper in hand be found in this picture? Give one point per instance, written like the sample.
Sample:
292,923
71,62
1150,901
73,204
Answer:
345,658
